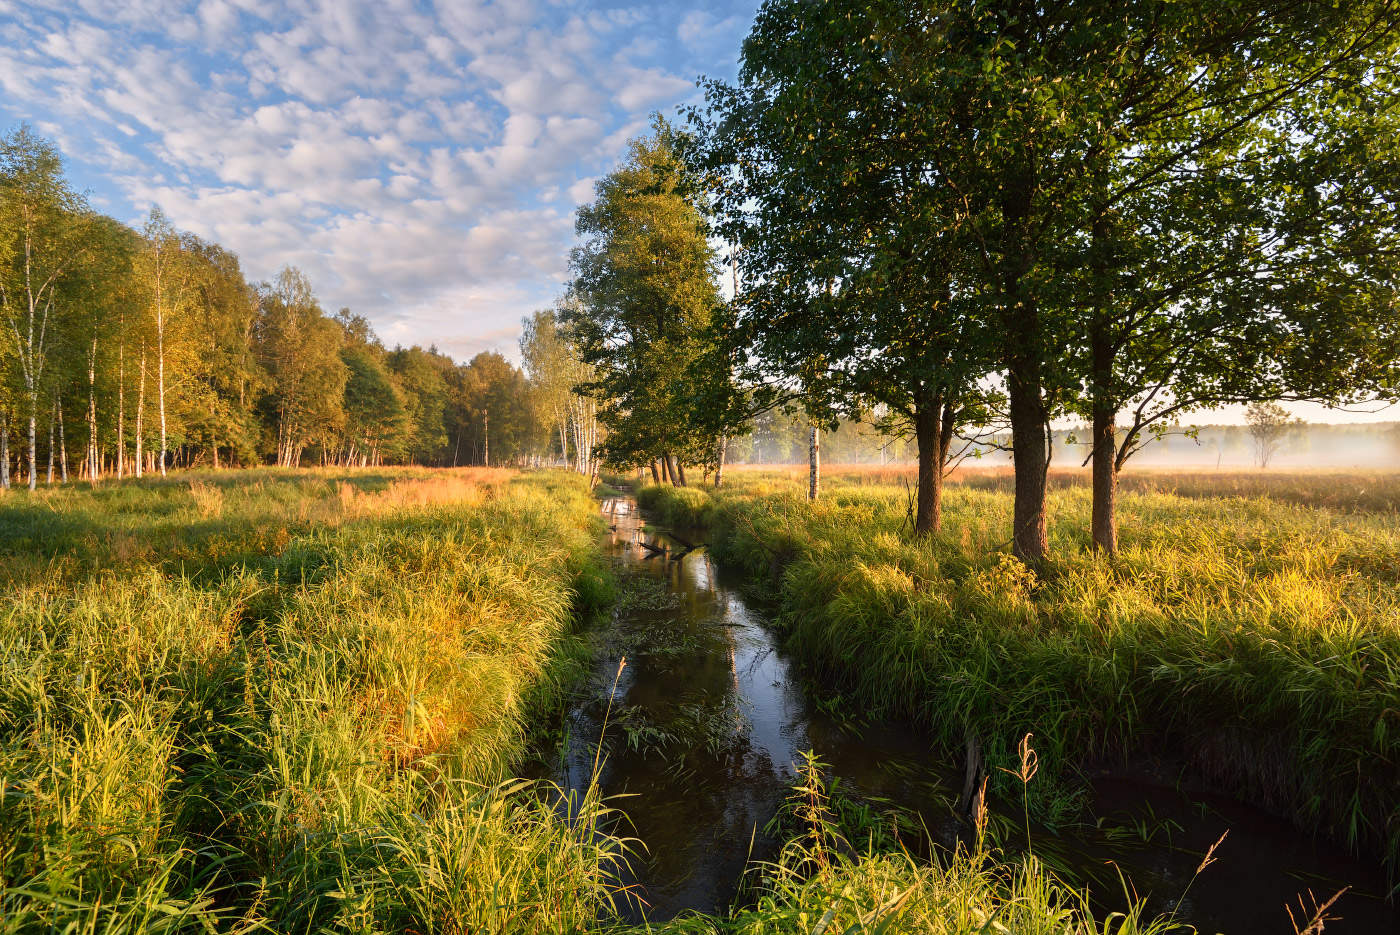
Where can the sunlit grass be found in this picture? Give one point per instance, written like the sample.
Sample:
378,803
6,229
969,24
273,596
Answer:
1358,491
1254,640
835,874
292,701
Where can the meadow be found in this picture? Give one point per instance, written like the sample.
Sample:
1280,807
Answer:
295,702
1246,639
291,701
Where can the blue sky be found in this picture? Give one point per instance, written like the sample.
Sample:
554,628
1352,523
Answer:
421,163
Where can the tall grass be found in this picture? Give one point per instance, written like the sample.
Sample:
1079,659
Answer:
1254,641
290,701
836,875
275,701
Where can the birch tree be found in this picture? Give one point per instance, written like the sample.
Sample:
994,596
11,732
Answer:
42,243
300,350
168,274
557,376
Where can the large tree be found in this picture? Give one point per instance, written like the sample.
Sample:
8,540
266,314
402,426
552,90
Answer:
557,375
500,422
1025,147
852,271
646,293
376,422
300,350
1237,204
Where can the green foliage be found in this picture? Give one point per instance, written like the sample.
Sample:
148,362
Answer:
647,297
156,340
1109,209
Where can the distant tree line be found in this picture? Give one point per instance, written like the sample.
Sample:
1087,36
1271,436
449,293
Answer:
972,220
128,352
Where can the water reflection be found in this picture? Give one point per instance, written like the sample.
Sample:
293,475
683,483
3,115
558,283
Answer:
708,720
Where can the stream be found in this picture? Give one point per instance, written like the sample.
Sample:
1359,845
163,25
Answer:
707,719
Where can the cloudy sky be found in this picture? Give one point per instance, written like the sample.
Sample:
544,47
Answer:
420,162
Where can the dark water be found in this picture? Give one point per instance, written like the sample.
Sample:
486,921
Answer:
709,718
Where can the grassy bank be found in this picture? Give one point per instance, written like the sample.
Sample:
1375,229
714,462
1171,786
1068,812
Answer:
290,701
293,701
1253,639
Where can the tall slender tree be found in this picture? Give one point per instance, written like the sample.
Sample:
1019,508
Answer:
45,238
646,291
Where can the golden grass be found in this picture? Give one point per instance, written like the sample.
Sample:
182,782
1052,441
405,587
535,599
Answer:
1242,628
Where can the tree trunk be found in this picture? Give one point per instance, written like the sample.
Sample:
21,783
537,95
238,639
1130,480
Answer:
486,449
5,452
929,432
1105,518
94,466
680,471
33,445
121,407
48,478
160,378
141,412
814,462
1024,354
1028,449
655,474
719,461
62,442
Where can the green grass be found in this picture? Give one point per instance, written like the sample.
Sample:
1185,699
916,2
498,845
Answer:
294,701
677,507
841,871
1252,639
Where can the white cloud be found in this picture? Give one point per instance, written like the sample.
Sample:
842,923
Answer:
421,165
699,27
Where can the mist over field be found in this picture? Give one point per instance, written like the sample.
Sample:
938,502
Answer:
1375,446
779,439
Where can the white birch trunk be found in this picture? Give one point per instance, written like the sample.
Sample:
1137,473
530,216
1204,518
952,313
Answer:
62,442
93,467
160,380
141,411
48,478
121,403
33,445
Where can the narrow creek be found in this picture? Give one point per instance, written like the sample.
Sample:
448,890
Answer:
708,718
